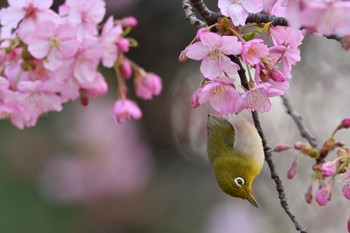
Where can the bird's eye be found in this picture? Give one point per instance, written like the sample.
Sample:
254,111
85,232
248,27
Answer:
239,181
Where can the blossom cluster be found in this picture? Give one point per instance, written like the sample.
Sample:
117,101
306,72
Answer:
49,58
322,16
269,65
324,171
272,64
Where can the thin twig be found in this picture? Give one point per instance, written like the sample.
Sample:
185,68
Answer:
268,158
210,17
275,176
191,15
304,131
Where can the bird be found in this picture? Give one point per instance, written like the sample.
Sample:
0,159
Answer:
235,153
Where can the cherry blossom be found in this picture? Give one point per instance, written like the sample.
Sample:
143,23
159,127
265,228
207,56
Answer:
238,10
222,95
125,109
213,50
147,85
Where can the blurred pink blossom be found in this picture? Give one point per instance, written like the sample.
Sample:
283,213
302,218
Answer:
125,109
238,11
117,163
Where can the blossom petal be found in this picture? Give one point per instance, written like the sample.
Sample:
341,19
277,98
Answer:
227,65
230,45
210,67
253,6
197,51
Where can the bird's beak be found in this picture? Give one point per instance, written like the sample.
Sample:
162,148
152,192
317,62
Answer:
251,198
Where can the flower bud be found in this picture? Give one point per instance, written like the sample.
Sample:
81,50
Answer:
125,69
281,147
345,123
195,102
346,191
292,170
123,45
183,57
298,145
328,168
308,195
328,146
129,21
323,195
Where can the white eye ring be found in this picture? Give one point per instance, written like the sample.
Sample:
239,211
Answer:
239,181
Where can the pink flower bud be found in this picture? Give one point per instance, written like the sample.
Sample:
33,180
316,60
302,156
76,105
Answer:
195,102
346,191
129,21
323,195
345,123
123,45
328,168
292,170
298,145
125,69
125,109
281,147
308,195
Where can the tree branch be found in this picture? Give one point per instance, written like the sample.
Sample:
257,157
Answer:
304,132
275,176
191,15
268,157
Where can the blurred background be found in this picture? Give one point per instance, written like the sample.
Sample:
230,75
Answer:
77,171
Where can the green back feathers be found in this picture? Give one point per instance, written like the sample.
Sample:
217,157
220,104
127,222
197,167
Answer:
220,137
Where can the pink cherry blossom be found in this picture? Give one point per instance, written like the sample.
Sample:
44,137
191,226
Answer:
328,168
147,85
253,50
24,9
222,95
34,99
323,195
87,60
56,42
238,10
290,38
125,109
256,99
213,50
109,37
326,17
97,88
86,14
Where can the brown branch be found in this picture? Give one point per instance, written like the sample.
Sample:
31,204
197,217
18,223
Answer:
191,15
210,17
275,176
304,132
268,157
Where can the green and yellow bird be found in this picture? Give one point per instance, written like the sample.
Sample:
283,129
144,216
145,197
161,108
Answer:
236,154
